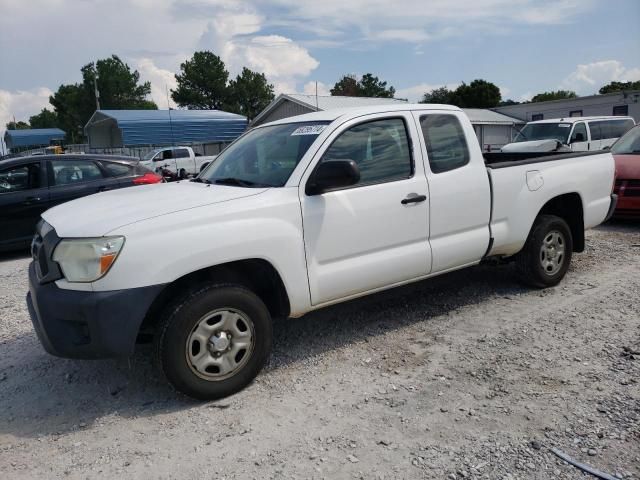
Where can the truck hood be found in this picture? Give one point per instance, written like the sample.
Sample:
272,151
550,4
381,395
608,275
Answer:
534,146
96,215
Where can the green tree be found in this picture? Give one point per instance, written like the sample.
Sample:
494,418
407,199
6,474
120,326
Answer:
367,86
248,94
45,119
553,95
370,86
202,82
19,125
478,94
620,86
438,95
507,102
119,88
347,86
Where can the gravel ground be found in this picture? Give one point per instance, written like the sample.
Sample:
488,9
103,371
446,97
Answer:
465,376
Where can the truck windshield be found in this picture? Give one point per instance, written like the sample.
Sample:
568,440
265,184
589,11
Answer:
544,131
629,143
150,155
264,157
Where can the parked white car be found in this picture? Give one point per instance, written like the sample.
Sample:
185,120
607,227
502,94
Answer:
577,134
182,161
293,216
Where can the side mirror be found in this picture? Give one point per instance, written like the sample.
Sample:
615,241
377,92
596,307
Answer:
332,174
579,137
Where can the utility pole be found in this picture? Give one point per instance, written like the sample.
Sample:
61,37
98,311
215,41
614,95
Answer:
173,143
95,87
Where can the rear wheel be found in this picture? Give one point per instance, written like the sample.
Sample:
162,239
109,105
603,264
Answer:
546,255
214,341
182,174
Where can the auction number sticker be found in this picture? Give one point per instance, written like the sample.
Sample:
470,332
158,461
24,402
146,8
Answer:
309,130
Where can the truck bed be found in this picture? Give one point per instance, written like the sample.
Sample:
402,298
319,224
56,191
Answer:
504,160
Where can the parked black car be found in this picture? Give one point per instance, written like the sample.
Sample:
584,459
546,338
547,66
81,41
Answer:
31,185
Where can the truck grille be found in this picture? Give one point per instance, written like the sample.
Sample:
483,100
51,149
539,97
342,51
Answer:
627,188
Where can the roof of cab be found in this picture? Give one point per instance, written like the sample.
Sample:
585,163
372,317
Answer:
580,119
353,112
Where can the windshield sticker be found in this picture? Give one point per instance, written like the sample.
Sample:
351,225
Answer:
564,125
309,130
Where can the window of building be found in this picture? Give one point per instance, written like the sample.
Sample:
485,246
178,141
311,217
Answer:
380,148
537,116
446,144
575,113
622,110
20,177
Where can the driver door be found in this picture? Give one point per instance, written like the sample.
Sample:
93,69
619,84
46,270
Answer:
373,234
579,139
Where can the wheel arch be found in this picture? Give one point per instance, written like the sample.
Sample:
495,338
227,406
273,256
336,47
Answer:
256,274
569,207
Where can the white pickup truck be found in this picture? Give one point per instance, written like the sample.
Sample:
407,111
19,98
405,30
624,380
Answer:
182,161
293,216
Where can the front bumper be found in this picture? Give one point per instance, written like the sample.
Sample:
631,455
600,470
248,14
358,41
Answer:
80,324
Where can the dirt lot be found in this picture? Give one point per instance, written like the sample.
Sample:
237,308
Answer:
466,376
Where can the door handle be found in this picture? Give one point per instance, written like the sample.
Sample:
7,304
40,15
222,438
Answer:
413,198
30,200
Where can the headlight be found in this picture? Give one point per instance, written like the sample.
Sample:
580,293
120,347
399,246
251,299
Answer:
87,259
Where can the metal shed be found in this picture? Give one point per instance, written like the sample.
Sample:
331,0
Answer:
18,140
124,128
493,129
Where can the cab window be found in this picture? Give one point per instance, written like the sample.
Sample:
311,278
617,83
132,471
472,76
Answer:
579,133
380,148
65,172
20,177
446,144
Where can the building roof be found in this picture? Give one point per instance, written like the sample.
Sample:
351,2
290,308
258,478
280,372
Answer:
146,127
582,119
326,102
32,137
480,116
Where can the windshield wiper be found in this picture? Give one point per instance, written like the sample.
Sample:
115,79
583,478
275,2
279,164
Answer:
200,180
239,182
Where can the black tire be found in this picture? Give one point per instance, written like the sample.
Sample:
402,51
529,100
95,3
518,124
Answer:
203,166
180,321
182,174
530,262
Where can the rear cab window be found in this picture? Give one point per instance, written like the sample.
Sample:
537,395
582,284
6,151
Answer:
445,141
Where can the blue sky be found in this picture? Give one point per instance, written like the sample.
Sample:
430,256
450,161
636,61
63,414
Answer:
524,46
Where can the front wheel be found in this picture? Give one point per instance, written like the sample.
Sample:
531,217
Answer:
546,255
214,341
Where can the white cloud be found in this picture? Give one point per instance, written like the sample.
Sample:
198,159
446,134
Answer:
21,104
415,92
160,80
403,35
504,92
588,78
310,88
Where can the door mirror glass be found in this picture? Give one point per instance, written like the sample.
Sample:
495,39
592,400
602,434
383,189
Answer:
333,174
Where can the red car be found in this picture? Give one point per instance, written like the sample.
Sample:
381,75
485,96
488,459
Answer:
626,152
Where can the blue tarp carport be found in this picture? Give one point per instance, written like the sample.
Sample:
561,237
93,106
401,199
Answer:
32,138
124,128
